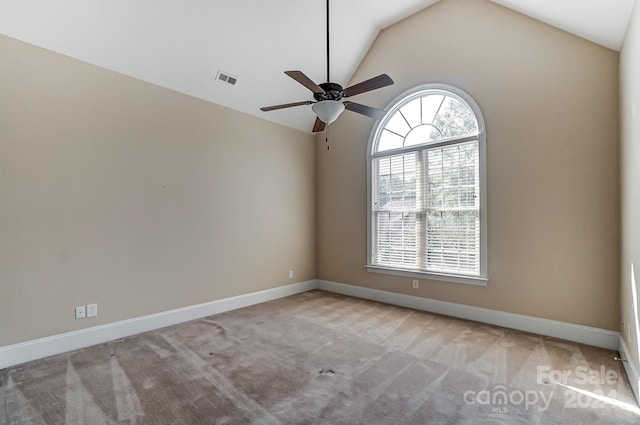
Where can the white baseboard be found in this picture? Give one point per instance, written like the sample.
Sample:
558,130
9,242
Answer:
630,368
11,355
568,331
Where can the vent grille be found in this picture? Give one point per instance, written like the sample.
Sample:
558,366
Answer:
226,78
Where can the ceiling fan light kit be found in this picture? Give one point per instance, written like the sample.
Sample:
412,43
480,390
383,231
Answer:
328,105
328,110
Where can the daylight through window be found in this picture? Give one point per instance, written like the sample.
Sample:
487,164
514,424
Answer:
426,180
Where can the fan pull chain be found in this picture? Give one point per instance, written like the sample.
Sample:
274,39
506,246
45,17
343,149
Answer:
326,137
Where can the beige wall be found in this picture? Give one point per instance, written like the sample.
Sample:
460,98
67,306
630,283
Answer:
551,108
630,179
121,193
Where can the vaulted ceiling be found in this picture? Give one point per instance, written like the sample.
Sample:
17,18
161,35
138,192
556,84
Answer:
183,44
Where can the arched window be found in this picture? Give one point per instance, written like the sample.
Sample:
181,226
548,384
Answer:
426,182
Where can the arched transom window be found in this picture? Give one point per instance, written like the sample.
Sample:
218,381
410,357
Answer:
427,187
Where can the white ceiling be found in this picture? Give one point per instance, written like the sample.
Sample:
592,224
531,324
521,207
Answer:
181,44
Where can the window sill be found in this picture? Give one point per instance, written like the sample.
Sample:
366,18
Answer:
467,280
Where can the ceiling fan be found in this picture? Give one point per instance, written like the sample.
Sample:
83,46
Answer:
327,103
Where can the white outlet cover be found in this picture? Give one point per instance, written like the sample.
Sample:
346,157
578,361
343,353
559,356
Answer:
92,310
80,312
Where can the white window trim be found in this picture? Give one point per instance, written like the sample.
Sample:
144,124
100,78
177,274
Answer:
482,279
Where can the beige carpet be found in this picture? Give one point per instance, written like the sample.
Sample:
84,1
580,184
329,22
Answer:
322,358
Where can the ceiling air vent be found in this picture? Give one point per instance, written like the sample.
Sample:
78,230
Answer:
224,77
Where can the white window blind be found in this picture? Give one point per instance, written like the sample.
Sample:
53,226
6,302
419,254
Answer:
397,210
426,188
453,219
437,232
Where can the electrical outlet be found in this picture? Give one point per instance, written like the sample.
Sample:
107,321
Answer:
81,312
92,310
416,284
290,274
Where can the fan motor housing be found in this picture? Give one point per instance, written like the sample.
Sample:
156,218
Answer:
332,91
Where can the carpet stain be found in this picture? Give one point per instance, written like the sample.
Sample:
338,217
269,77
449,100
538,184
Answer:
226,387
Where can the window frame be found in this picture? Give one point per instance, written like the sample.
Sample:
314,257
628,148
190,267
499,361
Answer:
374,136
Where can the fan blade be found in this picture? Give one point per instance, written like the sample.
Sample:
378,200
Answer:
381,80
318,126
300,77
286,105
374,113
